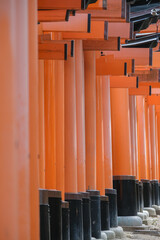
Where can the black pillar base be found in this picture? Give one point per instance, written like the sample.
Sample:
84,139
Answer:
105,219
159,192
147,193
112,194
65,221
95,213
44,215
76,216
87,233
138,196
126,195
141,201
155,192
54,200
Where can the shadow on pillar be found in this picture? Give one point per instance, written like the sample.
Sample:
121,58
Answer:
138,196
76,215
87,233
105,218
95,213
54,200
65,221
126,195
147,193
112,194
155,192
141,200
44,215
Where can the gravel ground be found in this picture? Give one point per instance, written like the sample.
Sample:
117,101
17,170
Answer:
154,224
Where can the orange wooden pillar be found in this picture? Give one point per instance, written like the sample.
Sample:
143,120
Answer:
99,138
142,148
107,150
80,116
33,121
41,124
121,138
49,98
123,180
59,131
157,152
70,127
154,162
107,134
90,128
158,136
134,136
22,82
90,118
148,145
71,186
153,141
14,137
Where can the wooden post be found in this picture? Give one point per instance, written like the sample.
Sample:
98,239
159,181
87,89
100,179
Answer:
148,146
33,121
121,138
134,136
99,138
158,133
70,127
123,179
143,161
41,124
107,134
90,118
50,158
80,116
59,131
153,141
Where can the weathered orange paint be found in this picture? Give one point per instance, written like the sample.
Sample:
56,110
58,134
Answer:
33,121
121,137
142,145
158,136
107,134
99,138
50,141
14,123
80,116
134,135
41,124
70,127
148,149
157,152
153,142
59,131
90,118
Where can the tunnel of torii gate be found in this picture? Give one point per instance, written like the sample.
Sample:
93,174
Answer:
79,117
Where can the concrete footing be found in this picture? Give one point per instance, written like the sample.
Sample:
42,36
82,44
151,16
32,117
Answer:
118,232
110,234
130,221
151,211
157,208
142,215
103,236
146,212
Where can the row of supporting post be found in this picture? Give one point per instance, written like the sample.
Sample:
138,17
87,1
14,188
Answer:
79,153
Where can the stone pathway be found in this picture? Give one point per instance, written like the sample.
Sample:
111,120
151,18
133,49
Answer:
154,224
